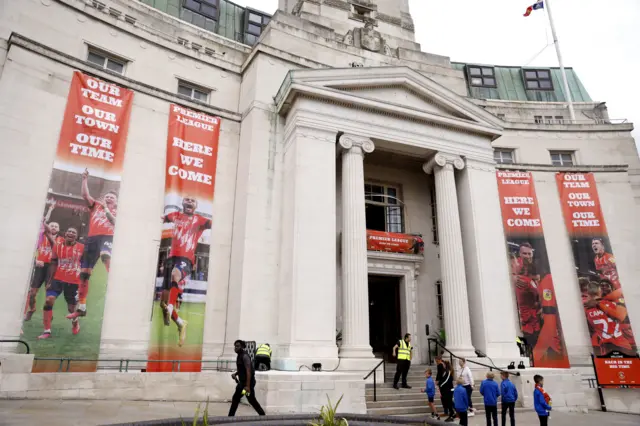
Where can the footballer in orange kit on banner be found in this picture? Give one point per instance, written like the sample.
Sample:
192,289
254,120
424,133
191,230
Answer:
530,273
74,247
177,322
600,286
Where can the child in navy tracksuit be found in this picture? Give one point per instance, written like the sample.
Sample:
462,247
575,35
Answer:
490,390
509,397
461,402
430,390
541,400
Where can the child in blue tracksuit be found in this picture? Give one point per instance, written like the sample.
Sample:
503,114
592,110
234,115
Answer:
509,397
490,390
541,400
430,390
461,401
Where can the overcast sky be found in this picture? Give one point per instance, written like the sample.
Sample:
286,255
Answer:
600,39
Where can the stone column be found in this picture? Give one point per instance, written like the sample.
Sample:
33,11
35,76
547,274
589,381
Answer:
454,285
355,289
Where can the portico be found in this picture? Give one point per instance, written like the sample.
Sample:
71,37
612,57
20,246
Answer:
332,120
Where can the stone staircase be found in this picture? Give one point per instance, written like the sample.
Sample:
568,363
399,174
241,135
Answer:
412,402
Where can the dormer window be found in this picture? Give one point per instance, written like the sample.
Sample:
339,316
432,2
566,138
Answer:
363,13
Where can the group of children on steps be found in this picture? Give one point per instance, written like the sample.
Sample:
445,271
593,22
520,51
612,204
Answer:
490,390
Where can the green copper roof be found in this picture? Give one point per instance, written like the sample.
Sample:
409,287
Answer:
511,86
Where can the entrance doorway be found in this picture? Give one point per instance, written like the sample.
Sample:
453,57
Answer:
385,325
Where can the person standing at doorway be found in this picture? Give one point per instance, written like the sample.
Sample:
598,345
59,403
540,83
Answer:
467,379
246,378
402,350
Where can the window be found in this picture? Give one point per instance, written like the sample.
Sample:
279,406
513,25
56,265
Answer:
501,116
559,119
503,156
562,158
538,79
439,299
191,91
481,76
434,212
254,24
206,8
106,61
537,119
385,211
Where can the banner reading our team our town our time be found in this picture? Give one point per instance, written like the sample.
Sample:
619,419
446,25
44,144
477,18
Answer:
600,285
177,322
530,272
65,302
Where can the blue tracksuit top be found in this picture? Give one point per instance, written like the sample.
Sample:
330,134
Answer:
491,391
430,388
460,399
539,403
508,391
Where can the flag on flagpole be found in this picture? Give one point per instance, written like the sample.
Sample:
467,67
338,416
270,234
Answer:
537,5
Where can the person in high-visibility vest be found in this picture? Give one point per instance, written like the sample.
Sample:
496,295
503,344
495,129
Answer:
262,358
402,351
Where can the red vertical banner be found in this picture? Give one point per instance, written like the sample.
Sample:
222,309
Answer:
600,286
530,272
65,303
177,322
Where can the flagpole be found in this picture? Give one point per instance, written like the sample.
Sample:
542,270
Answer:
562,70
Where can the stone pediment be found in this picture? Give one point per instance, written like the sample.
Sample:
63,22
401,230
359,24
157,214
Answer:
396,90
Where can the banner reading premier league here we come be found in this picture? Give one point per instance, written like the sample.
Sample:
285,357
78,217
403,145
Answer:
530,272
183,262
600,286
65,302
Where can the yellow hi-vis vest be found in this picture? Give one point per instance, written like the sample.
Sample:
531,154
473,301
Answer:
404,350
264,350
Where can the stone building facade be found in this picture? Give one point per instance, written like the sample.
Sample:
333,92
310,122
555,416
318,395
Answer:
331,102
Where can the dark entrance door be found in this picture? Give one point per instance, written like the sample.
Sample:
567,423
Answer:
384,314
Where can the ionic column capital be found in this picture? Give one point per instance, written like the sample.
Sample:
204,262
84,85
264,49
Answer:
348,142
443,159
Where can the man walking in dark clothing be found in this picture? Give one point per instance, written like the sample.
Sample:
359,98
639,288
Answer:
246,378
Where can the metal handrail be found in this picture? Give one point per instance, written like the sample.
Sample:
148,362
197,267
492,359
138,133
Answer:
452,355
375,396
26,345
124,364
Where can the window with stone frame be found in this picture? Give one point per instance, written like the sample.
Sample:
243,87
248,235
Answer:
106,60
562,158
503,156
440,301
434,212
192,91
384,208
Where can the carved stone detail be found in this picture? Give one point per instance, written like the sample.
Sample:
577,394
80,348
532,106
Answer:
348,38
348,142
442,159
370,39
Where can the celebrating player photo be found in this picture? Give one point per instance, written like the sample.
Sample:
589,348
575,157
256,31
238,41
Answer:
74,244
596,267
177,323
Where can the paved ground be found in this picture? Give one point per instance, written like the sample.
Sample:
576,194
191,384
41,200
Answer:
85,413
